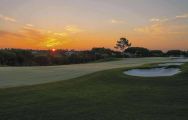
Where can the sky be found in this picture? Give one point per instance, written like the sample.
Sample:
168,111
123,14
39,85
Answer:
84,24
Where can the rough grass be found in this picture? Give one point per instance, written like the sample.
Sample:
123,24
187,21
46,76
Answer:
106,95
20,76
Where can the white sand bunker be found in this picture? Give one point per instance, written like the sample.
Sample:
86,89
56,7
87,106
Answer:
180,59
169,64
153,72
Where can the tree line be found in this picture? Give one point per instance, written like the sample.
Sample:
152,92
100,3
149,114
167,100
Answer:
20,57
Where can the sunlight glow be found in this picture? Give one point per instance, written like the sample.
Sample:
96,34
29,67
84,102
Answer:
53,50
52,42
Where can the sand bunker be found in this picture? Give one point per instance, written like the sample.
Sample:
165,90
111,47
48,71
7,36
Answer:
179,59
153,72
170,64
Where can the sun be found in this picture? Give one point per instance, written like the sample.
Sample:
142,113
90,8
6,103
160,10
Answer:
53,50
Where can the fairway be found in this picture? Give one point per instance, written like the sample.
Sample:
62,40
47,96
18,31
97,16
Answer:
21,76
105,95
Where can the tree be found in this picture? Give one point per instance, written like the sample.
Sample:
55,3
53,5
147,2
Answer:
186,53
137,52
156,53
122,44
175,53
42,60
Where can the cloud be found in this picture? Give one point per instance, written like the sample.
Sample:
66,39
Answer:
164,26
5,33
161,33
6,18
156,28
31,37
47,39
154,20
73,29
62,34
163,29
115,21
182,16
51,42
29,25
12,40
158,20
33,33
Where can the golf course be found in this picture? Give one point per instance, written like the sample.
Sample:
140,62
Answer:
94,91
93,60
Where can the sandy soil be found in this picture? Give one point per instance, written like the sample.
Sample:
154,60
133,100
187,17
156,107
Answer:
154,72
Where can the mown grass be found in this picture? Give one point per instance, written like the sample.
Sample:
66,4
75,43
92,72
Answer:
106,95
22,76
107,60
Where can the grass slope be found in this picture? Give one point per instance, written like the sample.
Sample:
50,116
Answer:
107,95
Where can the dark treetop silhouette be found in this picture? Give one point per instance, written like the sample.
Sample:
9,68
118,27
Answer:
122,44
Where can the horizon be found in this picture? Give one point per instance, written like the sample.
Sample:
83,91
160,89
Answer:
116,50
86,24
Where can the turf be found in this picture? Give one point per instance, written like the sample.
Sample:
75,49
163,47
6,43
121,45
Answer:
107,60
106,95
21,76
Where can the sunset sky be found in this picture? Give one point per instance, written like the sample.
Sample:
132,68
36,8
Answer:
83,24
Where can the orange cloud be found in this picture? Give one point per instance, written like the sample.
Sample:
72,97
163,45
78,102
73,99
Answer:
6,18
73,29
156,28
29,25
30,37
62,34
163,27
12,40
162,34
